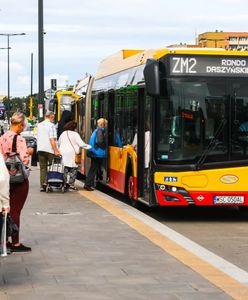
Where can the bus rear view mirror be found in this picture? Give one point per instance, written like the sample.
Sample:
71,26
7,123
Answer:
52,104
152,77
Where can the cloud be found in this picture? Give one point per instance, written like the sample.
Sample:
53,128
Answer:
62,80
79,34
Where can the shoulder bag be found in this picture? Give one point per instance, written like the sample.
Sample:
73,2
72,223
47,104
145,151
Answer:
77,155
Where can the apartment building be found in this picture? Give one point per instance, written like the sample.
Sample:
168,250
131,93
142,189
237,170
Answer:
227,40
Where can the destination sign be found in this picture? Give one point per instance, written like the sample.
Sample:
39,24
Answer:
209,66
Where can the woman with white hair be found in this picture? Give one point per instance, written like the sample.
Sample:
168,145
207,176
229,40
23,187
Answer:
18,191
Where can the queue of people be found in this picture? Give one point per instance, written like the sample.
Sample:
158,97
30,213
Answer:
49,146
13,195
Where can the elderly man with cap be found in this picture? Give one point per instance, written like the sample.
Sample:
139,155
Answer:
46,146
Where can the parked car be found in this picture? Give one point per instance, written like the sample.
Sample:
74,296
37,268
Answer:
31,139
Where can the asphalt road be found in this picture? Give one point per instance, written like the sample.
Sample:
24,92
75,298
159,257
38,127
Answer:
221,230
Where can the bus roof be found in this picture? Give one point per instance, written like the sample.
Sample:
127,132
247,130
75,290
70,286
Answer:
126,59
81,83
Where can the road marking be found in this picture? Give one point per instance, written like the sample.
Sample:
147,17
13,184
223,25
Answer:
219,272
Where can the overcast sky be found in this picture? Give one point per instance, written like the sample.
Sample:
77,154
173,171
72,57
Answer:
80,33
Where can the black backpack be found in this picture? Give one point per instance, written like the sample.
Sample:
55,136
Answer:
17,171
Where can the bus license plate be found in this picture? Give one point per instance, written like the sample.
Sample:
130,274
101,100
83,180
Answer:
229,200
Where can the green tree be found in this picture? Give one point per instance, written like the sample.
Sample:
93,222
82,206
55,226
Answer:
22,104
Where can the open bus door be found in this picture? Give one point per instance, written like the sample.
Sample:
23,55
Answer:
144,146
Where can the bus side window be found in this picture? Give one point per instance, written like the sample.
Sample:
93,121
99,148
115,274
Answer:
118,141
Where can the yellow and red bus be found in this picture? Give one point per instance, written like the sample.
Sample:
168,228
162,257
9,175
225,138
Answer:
187,109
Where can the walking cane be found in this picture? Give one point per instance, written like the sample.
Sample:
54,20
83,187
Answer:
3,236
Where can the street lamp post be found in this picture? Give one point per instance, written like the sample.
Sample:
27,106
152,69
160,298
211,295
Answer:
41,60
5,48
8,47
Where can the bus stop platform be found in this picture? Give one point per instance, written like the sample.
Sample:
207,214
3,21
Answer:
86,245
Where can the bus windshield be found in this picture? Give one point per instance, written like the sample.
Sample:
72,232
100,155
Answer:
202,120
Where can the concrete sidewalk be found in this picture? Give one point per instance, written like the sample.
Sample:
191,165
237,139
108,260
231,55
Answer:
81,251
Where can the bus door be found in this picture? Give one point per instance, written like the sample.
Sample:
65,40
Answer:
110,129
144,145
103,113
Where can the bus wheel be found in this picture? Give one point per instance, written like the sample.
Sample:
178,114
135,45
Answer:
130,187
130,191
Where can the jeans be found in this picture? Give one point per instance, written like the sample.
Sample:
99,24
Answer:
95,167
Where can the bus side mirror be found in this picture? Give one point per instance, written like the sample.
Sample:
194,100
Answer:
152,77
52,104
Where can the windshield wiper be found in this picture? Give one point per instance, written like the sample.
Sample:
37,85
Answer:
211,145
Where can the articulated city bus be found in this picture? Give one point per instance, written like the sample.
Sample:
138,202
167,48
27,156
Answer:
177,125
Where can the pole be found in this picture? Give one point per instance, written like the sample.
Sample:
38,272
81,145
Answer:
41,60
8,86
8,71
31,92
8,80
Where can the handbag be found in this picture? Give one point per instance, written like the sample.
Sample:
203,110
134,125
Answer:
77,158
17,170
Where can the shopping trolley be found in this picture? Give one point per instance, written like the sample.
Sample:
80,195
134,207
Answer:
55,176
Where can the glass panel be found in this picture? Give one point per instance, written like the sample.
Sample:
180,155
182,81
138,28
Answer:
239,114
125,119
66,102
199,121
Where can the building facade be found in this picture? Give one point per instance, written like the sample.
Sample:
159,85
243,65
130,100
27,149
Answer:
226,40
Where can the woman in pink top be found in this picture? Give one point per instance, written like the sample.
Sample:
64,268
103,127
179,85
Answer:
18,192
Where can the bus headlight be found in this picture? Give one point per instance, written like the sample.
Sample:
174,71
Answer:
174,189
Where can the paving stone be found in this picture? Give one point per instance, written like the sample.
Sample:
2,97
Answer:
91,255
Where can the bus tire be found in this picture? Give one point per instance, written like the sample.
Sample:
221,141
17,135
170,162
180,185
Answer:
130,190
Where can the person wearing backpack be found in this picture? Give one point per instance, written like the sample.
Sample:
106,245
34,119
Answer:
18,191
98,153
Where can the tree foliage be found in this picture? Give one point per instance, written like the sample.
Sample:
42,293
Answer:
22,104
